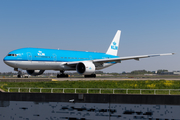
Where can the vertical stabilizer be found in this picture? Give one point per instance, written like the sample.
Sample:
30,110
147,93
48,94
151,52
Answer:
113,48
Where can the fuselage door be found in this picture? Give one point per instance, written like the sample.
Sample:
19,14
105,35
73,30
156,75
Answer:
90,57
54,57
29,56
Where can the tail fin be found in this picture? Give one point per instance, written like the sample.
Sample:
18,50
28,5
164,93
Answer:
113,48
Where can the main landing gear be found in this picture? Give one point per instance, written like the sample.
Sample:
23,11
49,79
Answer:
19,74
90,76
62,75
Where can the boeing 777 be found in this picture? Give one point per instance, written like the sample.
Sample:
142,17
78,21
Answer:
36,60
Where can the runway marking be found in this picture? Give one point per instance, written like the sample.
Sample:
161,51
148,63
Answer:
126,79
54,80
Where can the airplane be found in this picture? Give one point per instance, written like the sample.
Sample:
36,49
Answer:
36,60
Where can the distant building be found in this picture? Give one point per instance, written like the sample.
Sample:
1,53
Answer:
176,72
154,72
150,74
171,73
98,75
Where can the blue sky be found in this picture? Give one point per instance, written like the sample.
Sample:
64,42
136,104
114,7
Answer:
148,27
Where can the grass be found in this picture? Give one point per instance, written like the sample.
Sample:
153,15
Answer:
127,84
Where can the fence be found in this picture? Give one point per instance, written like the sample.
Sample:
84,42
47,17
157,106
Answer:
95,90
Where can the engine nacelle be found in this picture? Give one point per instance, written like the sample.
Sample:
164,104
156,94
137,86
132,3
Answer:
85,68
35,72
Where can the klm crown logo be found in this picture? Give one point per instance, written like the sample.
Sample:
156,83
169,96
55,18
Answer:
114,43
40,53
114,47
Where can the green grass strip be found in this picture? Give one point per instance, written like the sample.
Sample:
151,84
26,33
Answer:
126,84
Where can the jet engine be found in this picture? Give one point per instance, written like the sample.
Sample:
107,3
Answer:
35,72
85,68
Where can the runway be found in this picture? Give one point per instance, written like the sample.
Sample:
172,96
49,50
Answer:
76,79
118,79
25,79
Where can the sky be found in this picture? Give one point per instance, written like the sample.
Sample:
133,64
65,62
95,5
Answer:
148,27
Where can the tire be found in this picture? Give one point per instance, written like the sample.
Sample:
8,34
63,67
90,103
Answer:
19,76
90,76
62,75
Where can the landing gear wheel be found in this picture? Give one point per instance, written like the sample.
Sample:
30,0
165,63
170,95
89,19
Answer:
62,75
58,75
19,76
90,76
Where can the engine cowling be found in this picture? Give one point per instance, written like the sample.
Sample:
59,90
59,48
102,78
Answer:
85,68
35,72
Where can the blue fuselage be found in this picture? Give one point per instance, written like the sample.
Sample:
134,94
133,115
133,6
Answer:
39,58
40,54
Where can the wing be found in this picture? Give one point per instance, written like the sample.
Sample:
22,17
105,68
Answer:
118,60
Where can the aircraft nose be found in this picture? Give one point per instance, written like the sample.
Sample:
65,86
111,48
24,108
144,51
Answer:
5,60
9,63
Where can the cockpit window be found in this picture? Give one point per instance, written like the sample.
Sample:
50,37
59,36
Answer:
12,55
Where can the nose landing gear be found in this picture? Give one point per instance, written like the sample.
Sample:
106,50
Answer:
19,75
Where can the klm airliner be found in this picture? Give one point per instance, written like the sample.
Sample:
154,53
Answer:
36,60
